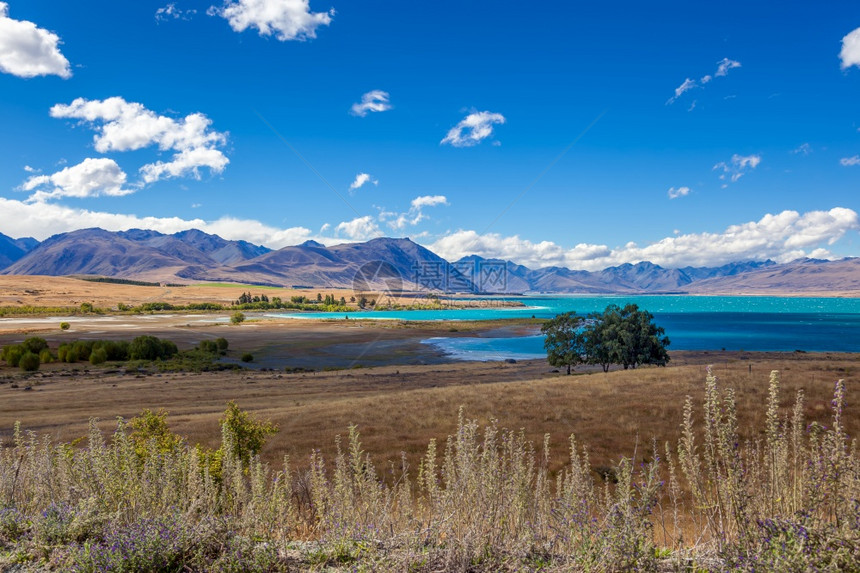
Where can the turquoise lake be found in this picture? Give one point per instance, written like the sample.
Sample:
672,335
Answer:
812,324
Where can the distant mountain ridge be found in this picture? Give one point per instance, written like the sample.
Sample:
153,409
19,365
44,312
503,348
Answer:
194,255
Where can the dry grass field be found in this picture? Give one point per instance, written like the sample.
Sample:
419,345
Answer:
399,409
66,291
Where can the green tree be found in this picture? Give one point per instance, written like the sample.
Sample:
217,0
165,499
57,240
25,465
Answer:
625,336
644,341
237,318
564,342
150,348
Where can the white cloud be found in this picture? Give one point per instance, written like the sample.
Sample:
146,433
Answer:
415,214
359,229
285,19
850,161
375,100
723,67
125,126
782,237
685,87
171,12
360,180
802,149
850,53
90,178
737,167
41,220
429,201
679,192
28,51
473,129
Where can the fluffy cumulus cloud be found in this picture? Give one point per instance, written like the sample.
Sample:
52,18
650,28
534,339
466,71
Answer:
361,180
90,178
359,229
723,67
473,129
41,220
782,237
674,192
171,12
284,19
372,101
124,126
850,161
850,54
736,167
28,51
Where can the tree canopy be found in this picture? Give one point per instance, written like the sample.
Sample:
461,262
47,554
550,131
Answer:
626,336
564,342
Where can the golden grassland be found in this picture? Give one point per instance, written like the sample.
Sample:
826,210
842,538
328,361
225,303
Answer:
399,409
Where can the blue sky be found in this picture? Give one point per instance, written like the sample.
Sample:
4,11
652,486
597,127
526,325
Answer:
567,134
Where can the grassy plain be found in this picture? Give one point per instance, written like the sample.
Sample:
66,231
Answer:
400,408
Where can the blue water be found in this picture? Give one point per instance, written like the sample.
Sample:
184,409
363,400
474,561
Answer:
691,323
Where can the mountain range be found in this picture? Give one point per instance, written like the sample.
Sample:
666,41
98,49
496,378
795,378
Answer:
389,263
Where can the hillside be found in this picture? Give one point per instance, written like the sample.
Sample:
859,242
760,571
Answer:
393,264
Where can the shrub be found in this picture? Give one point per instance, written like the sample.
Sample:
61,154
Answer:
98,356
82,349
114,350
150,429
67,353
12,355
237,318
208,346
45,356
65,326
222,343
29,362
247,357
35,344
151,348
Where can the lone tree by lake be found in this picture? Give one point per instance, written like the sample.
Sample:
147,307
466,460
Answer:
564,341
625,336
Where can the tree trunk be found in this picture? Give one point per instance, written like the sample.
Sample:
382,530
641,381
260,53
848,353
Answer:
568,369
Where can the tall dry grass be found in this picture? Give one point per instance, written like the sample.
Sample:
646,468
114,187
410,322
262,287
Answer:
786,499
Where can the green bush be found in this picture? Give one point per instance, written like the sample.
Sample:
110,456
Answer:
208,346
247,357
35,344
222,343
237,318
45,356
65,326
151,348
98,356
29,362
114,350
82,349
12,355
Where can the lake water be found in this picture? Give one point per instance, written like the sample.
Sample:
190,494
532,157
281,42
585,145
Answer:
691,322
